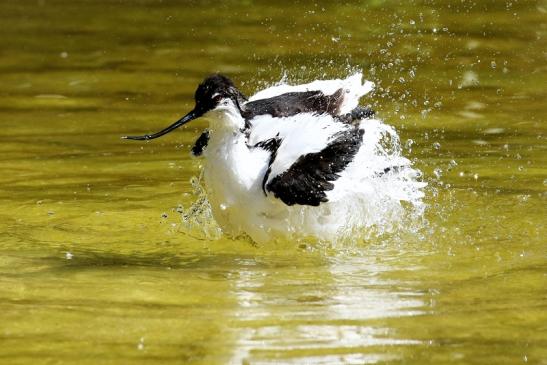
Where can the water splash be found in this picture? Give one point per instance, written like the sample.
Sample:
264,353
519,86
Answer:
197,219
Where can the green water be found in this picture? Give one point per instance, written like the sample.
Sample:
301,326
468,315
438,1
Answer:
97,267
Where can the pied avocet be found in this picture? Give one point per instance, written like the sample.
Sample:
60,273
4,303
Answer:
298,161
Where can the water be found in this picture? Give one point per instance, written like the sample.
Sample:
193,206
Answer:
95,264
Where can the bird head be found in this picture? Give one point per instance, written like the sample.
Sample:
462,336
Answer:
213,93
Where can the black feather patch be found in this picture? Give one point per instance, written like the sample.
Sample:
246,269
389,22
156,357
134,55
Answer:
356,115
307,180
271,145
201,143
286,105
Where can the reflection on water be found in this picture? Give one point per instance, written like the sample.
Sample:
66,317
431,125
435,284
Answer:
95,264
329,317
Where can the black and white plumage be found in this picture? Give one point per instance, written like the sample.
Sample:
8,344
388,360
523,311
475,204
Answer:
286,105
293,159
312,175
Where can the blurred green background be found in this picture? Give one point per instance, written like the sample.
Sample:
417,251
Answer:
97,265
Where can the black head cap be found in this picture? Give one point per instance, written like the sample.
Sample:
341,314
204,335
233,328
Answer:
212,90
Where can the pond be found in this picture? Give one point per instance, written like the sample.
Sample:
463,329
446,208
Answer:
97,264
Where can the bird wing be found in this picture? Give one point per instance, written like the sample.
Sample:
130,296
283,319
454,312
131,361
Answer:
307,153
201,143
306,181
353,89
293,103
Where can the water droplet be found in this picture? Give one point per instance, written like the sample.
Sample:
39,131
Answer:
438,173
470,78
68,255
437,145
524,197
493,64
409,142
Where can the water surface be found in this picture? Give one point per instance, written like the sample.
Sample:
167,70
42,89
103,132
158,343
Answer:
96,265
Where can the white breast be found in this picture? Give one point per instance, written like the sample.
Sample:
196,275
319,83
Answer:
233,173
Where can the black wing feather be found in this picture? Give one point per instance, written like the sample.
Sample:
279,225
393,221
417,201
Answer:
307,180
201,143
271,145
288,104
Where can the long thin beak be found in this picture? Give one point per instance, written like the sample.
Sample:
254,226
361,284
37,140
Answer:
188,117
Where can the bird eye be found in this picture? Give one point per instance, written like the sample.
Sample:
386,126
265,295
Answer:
217,98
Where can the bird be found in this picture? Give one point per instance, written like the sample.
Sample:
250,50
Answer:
298,161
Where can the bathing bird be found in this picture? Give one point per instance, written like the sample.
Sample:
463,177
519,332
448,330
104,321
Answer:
300,161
